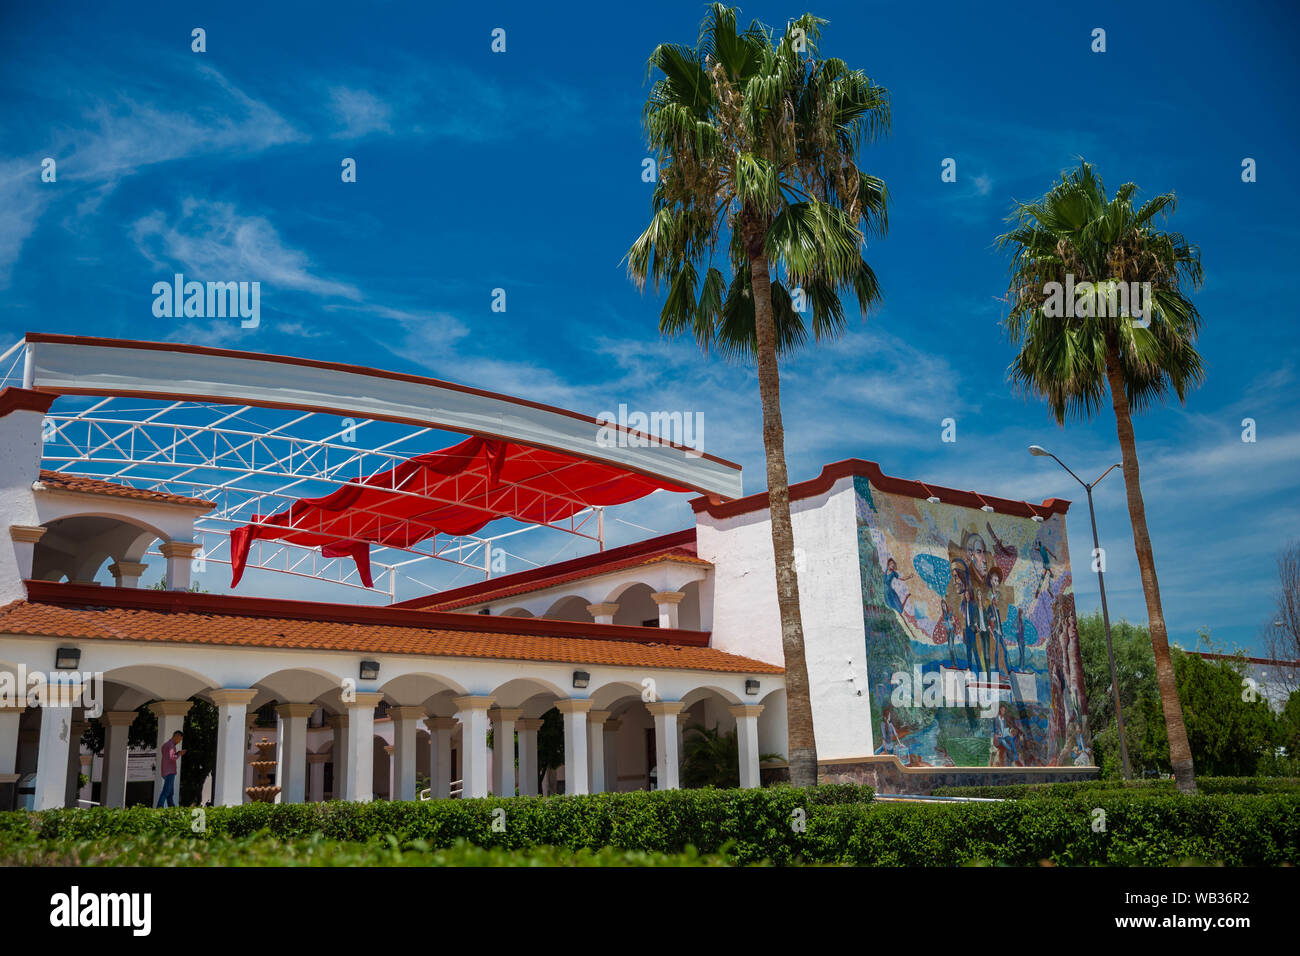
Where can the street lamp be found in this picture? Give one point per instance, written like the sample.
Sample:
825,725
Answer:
1040,452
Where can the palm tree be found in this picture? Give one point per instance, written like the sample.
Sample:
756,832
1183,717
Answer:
711,758
1072,352
756,142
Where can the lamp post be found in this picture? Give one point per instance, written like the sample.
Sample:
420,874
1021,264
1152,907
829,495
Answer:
1105,613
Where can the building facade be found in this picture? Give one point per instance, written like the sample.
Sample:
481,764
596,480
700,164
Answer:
939,630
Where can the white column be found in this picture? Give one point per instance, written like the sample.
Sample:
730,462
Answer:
54,745
179,554
610,744
360,787
73,792
392,766
667,602
291,774
112,789
574,711
171,718
340,754
603,613
503,749
527,729
406,725
279,757
316,777
472,713
440,731
666,753
10,716
596,750
747,740
232,744
126,574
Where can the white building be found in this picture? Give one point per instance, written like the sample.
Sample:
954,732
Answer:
630,644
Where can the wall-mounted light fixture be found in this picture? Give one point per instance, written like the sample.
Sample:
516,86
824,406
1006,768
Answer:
751,687
988,508
581,678
933,499
67,658
370,670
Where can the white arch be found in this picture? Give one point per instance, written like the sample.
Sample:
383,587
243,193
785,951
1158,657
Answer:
612,693
520,691
161,681
416,688
703,691
298,685
573,600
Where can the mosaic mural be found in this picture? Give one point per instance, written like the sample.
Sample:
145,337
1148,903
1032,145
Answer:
972,644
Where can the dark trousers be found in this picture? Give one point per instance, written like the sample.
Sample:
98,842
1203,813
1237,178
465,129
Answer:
169,784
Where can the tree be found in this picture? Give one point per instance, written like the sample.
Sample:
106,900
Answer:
200,751
550,744
1283,633
1135,674
1230,732
1076,243
756,143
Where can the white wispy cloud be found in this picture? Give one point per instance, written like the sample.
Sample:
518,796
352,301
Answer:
213,240
359,112
120,136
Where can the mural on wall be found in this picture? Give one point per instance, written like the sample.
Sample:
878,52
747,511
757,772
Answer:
972,644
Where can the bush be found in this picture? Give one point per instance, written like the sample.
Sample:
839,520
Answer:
750,825
261,850
1156,830
1206,785
1140,827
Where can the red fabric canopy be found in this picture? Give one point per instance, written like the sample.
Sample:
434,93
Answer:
454,491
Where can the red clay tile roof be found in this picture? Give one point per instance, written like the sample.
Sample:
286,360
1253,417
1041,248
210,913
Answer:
678,546
58,481
127,614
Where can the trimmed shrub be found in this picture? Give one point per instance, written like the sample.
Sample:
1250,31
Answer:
1206,785
1081,827
263,850
751,825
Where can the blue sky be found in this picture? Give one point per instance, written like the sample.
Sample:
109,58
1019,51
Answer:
522,170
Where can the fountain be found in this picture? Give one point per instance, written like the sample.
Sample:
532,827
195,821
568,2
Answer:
263,766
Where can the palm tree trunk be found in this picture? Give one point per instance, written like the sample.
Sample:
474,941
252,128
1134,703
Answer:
801,742
1180,752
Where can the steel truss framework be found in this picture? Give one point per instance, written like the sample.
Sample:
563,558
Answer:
253,461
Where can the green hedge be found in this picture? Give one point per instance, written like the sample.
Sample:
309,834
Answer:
1206,785
752,824
262,850
746,826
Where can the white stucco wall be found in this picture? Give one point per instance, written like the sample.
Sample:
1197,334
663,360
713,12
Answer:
20,437
746,620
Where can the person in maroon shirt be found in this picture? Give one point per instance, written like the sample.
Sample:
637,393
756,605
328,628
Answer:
169,755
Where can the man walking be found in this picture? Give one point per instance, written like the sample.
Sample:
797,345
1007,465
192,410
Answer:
170,754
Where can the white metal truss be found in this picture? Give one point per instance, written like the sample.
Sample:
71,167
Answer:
254,462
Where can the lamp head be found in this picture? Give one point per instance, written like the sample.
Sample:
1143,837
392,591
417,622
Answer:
1037,450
